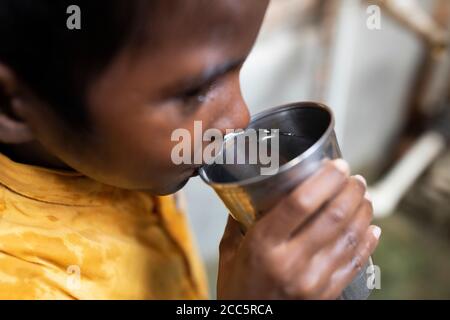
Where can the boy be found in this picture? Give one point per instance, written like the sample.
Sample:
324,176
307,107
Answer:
86,117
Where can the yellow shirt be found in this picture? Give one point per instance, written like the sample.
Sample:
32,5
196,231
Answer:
65,236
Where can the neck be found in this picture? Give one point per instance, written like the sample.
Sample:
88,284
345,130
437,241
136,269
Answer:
32,153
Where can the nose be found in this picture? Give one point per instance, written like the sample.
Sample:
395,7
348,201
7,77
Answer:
234,113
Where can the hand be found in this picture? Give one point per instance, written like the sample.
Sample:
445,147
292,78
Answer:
310,246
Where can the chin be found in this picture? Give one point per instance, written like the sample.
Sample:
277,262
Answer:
168,189
164,184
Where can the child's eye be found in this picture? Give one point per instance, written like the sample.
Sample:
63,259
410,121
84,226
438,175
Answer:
196,94
194,97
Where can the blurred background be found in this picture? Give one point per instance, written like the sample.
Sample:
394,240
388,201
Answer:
383,67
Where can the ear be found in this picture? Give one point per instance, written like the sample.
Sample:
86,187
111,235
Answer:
13,130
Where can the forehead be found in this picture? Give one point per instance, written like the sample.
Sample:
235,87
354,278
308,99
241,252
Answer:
178,23
173,43
174,38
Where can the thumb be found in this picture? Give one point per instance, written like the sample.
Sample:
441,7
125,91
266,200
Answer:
232,236
231,239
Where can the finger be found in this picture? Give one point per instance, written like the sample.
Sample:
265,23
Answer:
231,239
349,240
342,278
326,262
232,236
332,219
303,201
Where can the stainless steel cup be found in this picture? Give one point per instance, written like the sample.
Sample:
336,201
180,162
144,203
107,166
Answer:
306,137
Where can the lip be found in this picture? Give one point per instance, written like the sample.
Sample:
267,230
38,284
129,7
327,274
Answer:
192,171
196,172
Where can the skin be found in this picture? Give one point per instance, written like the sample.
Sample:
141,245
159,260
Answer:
310,246
142,96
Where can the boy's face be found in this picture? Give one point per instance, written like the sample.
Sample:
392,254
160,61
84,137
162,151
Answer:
191,73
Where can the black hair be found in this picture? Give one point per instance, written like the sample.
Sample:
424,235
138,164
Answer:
58,63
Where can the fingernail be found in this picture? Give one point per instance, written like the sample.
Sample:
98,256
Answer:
361,178
342,165
368,196
376,231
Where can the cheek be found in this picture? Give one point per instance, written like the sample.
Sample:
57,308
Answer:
138,147
147,143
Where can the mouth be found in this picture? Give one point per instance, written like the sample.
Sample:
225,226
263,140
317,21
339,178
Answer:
191,171
196,172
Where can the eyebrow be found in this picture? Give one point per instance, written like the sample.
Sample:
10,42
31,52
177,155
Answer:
207,76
